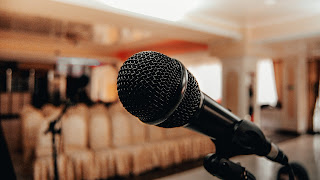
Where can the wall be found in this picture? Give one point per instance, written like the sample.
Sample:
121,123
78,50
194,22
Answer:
239,60
295,112
10,108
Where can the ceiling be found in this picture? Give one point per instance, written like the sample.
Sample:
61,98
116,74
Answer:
210,17
209,21
256,12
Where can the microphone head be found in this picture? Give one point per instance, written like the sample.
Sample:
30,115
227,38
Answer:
150,85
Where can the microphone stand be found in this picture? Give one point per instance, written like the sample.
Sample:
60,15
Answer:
245,140
231,145
219,165
51,129
223,168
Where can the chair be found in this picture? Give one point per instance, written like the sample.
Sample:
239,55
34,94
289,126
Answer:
100,134
43,168
100,141
121,139
44,141
121,126
75,141
31,119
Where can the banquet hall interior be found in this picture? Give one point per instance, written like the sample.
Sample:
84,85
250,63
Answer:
59,60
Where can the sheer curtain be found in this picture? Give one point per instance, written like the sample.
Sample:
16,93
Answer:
266,85
316,115
278,70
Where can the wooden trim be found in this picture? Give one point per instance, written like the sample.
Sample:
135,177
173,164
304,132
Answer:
12,43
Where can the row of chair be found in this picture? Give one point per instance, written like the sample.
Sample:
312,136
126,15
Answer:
99,142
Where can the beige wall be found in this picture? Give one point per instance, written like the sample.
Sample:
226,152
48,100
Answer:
238,62
294,111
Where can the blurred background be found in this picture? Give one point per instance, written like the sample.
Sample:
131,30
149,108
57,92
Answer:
258,58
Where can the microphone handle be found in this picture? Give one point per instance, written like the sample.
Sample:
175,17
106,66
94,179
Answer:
213,120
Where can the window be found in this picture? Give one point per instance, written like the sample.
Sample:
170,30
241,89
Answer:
209,77
266,86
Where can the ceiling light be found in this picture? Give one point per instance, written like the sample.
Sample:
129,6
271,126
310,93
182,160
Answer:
270,2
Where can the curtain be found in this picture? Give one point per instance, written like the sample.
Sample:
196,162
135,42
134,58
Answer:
278,71
313,95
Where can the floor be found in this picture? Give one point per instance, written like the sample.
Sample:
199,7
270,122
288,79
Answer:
304,149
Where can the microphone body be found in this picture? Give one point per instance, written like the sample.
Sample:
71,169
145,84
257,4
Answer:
232,135
160,91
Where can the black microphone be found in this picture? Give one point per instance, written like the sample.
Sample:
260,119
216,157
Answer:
160,91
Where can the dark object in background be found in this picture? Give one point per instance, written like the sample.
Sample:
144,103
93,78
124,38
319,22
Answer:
279,105
299,171
40,95
76,91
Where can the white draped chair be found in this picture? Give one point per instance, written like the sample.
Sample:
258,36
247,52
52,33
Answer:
31,120
131,152
100,130
44,169
142,152
44,141
43,166
75,141
121,139
100,141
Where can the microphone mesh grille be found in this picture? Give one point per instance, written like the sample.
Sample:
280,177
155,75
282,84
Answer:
188,106
148,85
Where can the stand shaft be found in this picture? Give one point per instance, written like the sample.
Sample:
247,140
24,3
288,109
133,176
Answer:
54,156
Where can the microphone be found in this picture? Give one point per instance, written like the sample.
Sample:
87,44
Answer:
160,91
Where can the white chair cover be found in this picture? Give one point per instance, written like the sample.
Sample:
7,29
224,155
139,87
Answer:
44,169
75,141
100,134
31,119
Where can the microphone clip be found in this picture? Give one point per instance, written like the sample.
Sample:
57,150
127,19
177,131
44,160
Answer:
250,139
245,139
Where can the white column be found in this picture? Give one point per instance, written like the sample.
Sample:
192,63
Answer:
239,59
302,94
236,81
